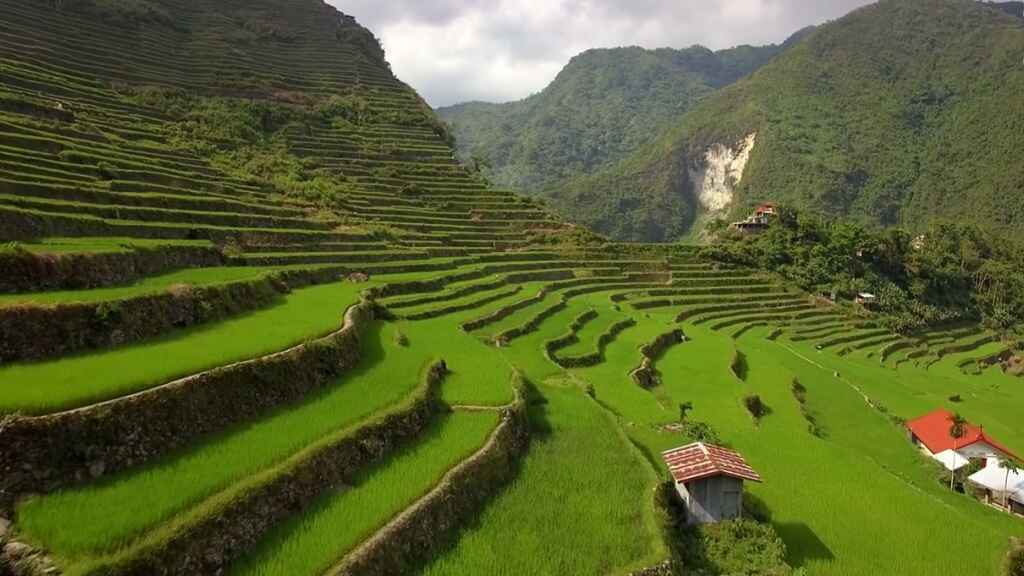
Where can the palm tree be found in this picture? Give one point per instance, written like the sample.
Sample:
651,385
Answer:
1010,466
684,408
957,429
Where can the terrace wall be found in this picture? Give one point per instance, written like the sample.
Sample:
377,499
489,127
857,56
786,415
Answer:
210,546
596,357
571,337
232,526
645,375
31,332
41,454
432,523
23,271
23,225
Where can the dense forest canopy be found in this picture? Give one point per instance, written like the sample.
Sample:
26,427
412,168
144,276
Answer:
950,272
901,113
603,105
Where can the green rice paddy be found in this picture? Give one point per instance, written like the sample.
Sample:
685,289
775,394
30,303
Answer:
593,462
95,376
580,472
198,277
312,543
853,499
102,245
76,524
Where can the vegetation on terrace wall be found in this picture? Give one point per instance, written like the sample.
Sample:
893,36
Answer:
748,546
901,113
247,138
953,271
122,12
734,547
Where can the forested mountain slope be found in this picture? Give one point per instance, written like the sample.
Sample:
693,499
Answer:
603,105
899,113
257,320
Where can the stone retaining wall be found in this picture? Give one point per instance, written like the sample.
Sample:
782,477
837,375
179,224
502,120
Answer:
966,346
533,324
646,376
433,523
453,308
40,454
571,337
33,332
24,271
596,357
17,224
418,286
503,312
231,526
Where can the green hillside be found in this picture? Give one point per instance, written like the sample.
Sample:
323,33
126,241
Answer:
899,113
603,105
256,319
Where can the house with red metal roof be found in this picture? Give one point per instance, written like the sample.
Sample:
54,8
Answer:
709,480
931,433
758,220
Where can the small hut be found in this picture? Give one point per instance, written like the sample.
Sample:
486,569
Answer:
866,299
758,221
709,480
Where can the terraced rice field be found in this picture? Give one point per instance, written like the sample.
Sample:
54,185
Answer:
409,336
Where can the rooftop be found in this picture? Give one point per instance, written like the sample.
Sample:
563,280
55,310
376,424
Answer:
932,430
700,460
996,478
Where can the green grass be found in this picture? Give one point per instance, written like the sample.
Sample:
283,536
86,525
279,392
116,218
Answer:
479,376
592,464
581,503
590,332
101,245
868,474
77,380
154,284
311,543
79,523
863,474
992,399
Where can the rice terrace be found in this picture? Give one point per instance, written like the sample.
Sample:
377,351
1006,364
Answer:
265,312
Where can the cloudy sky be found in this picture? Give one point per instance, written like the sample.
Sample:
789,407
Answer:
498,50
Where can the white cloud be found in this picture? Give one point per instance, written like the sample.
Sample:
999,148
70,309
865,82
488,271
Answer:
458,50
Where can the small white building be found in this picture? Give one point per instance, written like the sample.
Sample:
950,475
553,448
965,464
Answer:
866,299
931,433
1001,486
709,480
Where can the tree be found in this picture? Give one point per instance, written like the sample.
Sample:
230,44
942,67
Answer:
957,429
1010,466
683,409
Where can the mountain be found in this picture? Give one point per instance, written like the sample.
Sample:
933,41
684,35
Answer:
902,112
603,105
256,319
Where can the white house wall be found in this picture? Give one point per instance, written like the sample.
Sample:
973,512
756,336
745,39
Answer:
963,456
979,450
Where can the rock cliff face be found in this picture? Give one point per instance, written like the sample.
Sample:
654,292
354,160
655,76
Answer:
715,181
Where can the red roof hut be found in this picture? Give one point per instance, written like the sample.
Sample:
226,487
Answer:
709,479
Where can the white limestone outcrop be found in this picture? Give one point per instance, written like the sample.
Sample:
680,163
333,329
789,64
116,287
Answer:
720,172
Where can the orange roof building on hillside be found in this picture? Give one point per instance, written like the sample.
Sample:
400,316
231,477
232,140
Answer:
932,432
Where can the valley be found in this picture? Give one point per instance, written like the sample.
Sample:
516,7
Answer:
257,318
